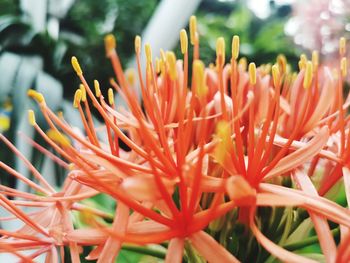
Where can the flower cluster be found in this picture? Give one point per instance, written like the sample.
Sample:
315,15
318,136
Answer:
198,157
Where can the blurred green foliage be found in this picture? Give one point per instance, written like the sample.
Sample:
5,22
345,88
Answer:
261,40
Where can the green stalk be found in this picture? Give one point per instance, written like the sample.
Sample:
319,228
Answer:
309,241
145,251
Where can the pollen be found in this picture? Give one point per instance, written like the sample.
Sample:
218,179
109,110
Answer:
58,138
282,63
137,44
148,52
223,134
76,66
252,73
171,61
83,92
77,98
157,65
199,77
36,95
31,117
308,75
315,59
235,47
110,43
342,46
193,29
97,88
131,77
276,75
243,63
220,50
183,41
110,96
344,66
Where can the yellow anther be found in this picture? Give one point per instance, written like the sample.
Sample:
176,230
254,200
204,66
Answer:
199,78
223,134
162,67
97,88
315,59
83,92
31,117
276,75
303,58
148,52
77,98
171,62
235,47
71,166
131,76
243,63
183,41
252,73
342,46
36,95
344,66
110,44
58,137
162,54
76,66
137,44
157,65
193,29
110,96
308,75
220,50
282,63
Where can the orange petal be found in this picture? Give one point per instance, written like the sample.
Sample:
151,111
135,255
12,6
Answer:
301,155
211,250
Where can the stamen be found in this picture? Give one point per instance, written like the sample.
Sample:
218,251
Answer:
235,47
97,88
157,65
276,75
302,62
171,61
308,75
282,63
252,73
148,51
220,51
243,63
58,137
342,46
110,96
315,59
110,44
199,78
76,66
31,117
223,134
131,77
183,41
83,92
193,29
36,95
137,45
344,66
77,98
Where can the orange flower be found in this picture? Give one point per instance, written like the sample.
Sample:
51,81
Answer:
194,155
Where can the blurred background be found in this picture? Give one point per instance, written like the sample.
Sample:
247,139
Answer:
38,38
